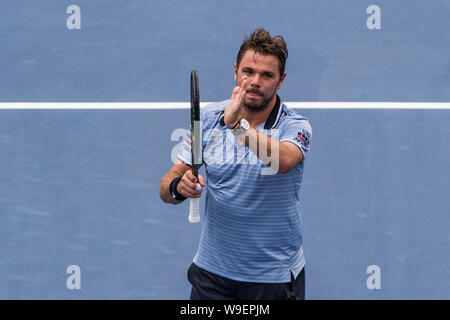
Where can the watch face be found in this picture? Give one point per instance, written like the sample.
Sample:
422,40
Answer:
245,124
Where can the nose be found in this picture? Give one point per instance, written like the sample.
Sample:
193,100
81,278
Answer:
254,80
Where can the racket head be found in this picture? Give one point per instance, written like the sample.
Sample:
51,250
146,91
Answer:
195,122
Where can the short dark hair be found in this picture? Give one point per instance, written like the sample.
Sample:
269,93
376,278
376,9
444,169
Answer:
262,42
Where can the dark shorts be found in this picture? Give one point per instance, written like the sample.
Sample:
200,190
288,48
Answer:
209,286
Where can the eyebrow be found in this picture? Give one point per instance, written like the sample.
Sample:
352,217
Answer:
270,73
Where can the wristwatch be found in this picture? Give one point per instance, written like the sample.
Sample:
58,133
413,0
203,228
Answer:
241,127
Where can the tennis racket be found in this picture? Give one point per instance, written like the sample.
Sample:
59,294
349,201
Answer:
194,204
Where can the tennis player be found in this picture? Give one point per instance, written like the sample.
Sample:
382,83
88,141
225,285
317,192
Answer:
251,239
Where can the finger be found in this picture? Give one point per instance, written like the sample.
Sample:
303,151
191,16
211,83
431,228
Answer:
189,192
242,91
190,176
201,181
187,186
235,92
244,84
244,78
189,180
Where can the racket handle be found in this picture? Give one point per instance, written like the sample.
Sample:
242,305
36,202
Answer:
194,210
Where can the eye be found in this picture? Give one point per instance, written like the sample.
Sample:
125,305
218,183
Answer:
268,75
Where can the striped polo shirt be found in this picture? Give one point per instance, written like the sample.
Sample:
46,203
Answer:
251,222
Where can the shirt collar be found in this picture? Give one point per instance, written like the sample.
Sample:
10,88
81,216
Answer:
274,115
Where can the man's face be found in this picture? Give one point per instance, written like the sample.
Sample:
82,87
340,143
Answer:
263,78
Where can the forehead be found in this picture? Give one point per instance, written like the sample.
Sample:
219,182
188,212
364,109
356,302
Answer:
259,62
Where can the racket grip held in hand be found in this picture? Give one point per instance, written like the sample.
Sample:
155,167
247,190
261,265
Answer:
194,210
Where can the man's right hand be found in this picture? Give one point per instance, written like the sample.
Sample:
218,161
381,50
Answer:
232,113
188,185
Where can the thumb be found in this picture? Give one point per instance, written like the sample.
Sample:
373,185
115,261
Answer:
201,181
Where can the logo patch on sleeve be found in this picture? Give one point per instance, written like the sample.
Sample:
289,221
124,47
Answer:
188,139
303,137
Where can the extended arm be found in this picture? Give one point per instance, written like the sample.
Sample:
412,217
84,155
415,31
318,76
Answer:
281,156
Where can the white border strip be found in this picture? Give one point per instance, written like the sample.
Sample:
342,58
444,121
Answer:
186,105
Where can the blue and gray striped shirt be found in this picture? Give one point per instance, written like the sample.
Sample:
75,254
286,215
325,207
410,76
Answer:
252,228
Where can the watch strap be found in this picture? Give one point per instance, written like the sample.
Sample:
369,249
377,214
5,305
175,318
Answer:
237,123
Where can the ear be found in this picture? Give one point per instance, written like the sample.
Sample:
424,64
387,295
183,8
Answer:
281,81
235,72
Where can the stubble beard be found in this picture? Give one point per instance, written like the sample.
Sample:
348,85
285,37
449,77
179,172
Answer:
254,107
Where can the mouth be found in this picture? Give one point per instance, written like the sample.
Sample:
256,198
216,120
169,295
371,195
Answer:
254,93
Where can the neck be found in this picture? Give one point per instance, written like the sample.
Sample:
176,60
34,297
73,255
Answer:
256,118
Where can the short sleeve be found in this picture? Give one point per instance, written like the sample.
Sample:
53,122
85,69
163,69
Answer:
184,153
298,131
209,116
